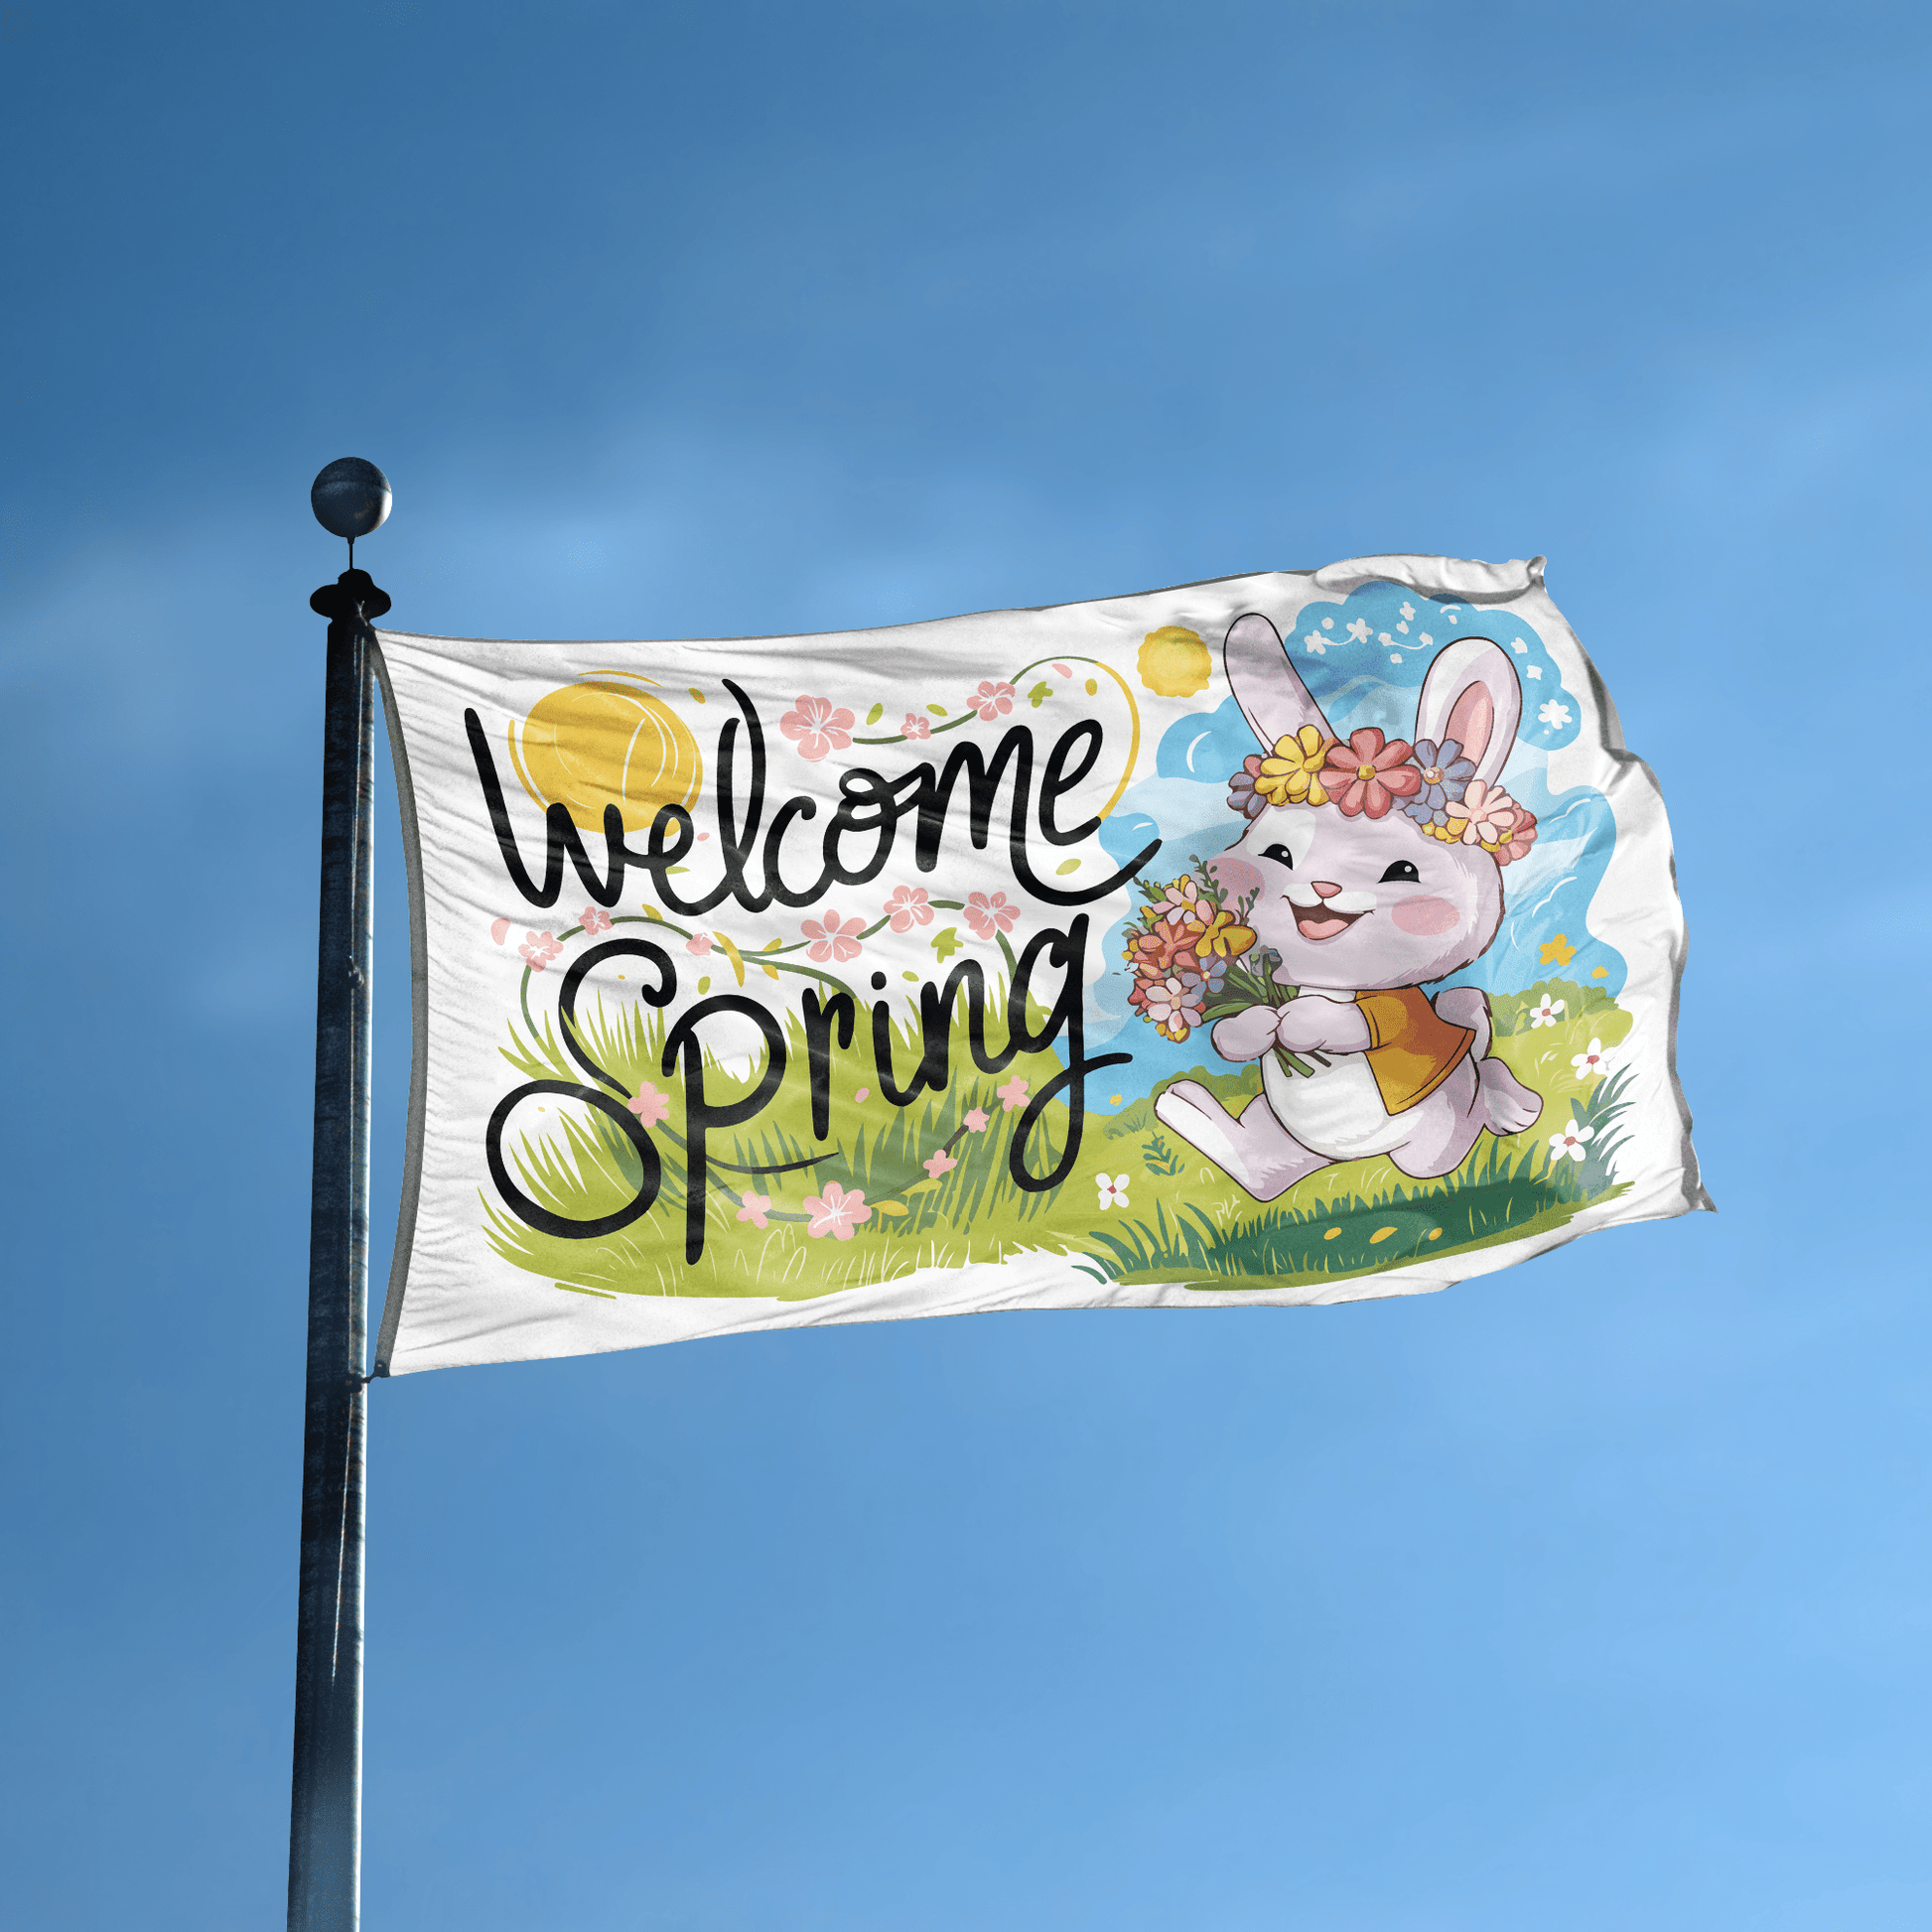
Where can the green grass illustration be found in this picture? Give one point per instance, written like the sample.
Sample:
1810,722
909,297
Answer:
1182,1220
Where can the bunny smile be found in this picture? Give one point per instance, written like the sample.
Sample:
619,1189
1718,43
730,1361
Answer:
1323,909
1324,921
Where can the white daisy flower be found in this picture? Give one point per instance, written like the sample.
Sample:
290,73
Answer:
1569,1141
1590,1064
1546,1013
1113,1190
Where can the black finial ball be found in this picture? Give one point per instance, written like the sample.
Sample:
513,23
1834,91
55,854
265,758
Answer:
350,497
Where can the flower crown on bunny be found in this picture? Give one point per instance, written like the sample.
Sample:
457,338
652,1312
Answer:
1435,783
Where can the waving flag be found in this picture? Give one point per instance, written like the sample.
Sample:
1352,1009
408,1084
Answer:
1292,938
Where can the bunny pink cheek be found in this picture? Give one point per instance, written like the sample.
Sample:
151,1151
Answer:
1425,914
1235,876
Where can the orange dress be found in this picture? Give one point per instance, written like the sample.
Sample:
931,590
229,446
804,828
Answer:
1413,1049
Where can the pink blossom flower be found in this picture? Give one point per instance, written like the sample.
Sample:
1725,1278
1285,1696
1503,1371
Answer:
987,915
1518,839
754,1208
817,728
835,1212
1174,1003
1181,905
916,726
650,1106
699,943
976,1120
992,700
1013,1094
941,1162
539,948
1368,774
1488,811
594,919
908,907
831,939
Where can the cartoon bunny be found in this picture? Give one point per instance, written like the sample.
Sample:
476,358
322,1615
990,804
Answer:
1372,875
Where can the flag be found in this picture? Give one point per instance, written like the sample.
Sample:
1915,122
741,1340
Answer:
1292,938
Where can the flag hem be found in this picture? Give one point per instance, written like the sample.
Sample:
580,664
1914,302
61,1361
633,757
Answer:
413,1169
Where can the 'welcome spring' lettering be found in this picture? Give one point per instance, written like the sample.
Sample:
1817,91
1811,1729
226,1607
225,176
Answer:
854,847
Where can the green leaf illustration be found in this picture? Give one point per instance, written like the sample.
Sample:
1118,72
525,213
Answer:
937,710
1066,865
946,943
875,714
1039,695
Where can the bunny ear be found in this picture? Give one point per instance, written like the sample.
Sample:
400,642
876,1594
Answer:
1265,684
1471,694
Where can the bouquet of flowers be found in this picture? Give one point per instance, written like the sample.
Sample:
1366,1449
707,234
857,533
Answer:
1195,959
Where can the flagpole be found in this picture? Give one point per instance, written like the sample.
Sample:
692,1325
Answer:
326,1811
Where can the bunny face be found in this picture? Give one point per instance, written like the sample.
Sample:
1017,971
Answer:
1355,896
1361,905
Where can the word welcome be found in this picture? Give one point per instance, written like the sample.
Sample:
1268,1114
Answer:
854,847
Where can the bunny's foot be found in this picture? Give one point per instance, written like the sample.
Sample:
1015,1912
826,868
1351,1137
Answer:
1255,1149
1509,1104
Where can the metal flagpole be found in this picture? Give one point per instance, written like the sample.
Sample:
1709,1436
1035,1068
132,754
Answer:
350,498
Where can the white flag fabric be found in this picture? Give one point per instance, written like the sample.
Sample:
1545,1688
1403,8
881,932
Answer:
1292,938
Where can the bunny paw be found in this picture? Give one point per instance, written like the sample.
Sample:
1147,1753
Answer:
1510,1105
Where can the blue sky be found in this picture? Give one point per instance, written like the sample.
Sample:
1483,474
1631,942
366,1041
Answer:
1593,1593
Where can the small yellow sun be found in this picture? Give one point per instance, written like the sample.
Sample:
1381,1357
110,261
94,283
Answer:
1173,662
606,741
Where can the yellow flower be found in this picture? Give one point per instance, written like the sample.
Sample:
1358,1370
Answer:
1557,951
1173,662
1292,774
1225,938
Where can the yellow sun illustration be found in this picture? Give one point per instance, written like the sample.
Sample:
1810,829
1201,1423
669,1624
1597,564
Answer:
606,741
1174,662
